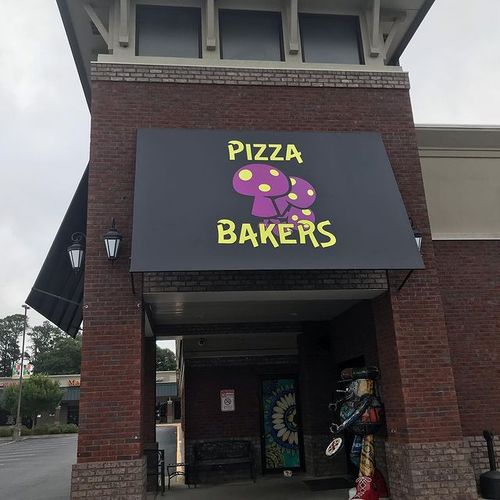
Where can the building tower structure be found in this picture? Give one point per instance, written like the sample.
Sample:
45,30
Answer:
186,95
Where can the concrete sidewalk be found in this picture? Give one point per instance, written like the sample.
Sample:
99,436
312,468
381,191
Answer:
268,488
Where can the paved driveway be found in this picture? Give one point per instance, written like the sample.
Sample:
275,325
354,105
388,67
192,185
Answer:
37,469
40,468
167,440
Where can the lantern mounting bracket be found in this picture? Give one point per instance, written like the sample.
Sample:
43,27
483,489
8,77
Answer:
132,283
407,277
78,237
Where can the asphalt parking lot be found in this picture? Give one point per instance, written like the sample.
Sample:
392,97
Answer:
40,468
37,469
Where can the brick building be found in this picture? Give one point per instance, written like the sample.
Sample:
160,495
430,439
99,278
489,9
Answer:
178,89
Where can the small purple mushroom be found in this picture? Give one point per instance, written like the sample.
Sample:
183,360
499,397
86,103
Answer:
263,182
301,195
296,215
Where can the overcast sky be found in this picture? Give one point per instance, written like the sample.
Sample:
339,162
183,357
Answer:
454,67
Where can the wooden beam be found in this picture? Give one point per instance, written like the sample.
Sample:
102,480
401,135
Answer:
103,31
123,34
211,42
398,19
375,48
293,35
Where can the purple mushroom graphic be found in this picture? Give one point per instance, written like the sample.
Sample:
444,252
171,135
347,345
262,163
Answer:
301,195
263,182
296,215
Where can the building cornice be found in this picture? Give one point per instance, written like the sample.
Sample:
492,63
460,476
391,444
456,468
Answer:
121,72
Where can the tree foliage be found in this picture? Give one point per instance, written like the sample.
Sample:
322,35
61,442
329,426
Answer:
64,356
11,327
53,352
44,337
39,394
165,359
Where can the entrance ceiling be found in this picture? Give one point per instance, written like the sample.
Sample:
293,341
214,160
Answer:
261,306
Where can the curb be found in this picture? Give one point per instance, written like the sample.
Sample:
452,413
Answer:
9,440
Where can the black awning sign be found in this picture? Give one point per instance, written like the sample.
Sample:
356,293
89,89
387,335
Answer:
214,199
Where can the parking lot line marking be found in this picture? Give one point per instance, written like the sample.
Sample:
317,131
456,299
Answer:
15,455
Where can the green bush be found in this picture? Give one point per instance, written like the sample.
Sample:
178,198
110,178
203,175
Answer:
40,429
5,432
69,428
8,431
25,431
55,429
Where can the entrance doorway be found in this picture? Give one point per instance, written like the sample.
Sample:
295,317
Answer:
281,430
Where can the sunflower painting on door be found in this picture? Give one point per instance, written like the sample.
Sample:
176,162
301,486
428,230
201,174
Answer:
281,432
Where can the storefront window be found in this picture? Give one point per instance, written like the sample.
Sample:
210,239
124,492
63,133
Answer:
250,35
168,31
330,39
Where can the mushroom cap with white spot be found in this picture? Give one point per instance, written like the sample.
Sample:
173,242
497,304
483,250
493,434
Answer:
302,194
296,215
259,179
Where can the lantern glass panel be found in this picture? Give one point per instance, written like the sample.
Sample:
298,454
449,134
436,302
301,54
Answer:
76,257
112,246
418,241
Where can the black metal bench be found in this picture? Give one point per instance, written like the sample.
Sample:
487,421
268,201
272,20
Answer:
217,455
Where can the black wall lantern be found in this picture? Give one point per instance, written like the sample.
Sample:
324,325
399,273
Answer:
112,240
76,251
418,239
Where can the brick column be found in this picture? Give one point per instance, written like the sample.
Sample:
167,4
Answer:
426,454
110,460
149,400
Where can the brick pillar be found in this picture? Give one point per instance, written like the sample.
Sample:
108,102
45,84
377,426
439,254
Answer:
110,460
425,451
426,454
149,400
149,410
317,381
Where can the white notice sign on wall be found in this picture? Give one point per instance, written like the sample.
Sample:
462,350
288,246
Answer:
227,400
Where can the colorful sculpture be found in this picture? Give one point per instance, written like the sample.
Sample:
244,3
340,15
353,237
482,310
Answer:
360,412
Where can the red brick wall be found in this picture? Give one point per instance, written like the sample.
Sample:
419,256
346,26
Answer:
113,342
203,381
469,273
414,356
411,329
204,418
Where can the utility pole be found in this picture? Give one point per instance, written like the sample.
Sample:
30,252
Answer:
17,433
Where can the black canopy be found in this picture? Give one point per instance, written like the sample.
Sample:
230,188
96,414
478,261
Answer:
204,198
58,291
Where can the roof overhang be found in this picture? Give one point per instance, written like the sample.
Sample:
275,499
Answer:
86,43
